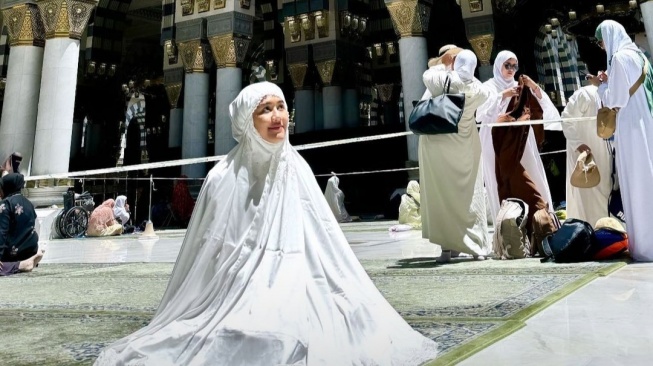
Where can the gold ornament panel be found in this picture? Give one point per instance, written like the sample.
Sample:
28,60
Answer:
298,74
196,56
326,70
229,51
173,91
65,18
482,45
409,17
24,26
203,6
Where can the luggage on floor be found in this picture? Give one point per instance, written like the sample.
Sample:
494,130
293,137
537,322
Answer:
510,234
545,223
573,242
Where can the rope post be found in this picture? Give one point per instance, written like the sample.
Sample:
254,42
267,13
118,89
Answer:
149,215
149,227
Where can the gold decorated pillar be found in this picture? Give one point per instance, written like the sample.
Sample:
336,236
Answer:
173,79
410,19
64,22
230,33
479,26
196,56
19,110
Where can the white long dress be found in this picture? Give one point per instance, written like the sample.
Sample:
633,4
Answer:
489,113
336,200
265,276
451,179
634,135
587,204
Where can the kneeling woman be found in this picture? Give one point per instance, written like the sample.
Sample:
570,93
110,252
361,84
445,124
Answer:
265,276
453,204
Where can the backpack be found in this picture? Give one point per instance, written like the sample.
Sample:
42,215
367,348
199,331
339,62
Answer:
510,236
545,223
573,242
609,243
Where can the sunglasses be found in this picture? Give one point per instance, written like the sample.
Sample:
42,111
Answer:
509,66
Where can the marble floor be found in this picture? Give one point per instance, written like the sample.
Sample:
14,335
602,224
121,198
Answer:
607,322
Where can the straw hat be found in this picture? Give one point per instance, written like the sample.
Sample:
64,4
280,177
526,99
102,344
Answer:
610,223
586,173
450,49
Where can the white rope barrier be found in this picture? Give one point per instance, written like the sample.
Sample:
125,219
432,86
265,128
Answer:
316,145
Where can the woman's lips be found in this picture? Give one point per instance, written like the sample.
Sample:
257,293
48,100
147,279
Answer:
276,128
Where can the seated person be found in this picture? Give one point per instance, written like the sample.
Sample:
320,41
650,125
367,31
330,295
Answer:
182,201
19,249
121,213
102,222
409,209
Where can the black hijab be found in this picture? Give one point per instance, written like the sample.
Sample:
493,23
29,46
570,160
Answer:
12,183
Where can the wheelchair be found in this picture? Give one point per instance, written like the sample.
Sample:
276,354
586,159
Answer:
72,220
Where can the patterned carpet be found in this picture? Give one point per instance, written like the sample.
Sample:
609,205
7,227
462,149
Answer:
64,314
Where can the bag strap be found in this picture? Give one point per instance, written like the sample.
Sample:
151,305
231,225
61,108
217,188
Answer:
641,79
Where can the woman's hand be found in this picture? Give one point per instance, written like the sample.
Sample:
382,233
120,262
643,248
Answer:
524,117
505,117
583,148
529,82
510,92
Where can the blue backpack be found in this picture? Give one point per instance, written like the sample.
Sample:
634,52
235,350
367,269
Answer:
573,242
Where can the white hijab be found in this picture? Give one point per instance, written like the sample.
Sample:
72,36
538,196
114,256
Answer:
265,273
614,38
336,200
119,210
498,81
464,65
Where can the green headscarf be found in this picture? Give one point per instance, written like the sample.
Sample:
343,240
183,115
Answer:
597,33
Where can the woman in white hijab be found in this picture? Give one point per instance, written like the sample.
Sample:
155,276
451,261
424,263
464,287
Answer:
634,135
453,204
409,208
265,276
587,204
529,183
336,200
121,210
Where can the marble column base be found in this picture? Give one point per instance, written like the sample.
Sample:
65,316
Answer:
351,116
175,127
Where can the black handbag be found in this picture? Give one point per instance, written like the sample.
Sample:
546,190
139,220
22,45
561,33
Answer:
437,115
573,242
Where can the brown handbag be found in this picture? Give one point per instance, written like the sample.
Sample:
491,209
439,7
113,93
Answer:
606,118
586,174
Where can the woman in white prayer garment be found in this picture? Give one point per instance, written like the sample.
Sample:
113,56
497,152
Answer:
409,208
530,179
336,200
634,134
453,203
587,204
265,275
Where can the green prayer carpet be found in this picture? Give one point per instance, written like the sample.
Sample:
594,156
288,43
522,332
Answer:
64,314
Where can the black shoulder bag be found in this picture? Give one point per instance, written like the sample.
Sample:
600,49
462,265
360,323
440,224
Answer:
437,115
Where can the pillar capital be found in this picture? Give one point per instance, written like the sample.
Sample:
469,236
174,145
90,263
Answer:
65,18
410,18
482,45
173,90
229,50
24,25
196,56
326,69
298,74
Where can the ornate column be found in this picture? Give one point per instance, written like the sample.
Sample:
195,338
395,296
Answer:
297,58
196,55
230,35
410,19
173,84
64,21
27,39
646,8
331,94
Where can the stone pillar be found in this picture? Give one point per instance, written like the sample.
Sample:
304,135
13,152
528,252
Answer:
64,21
298,60
410,19
331,95
175,123
197,59
27,39
318,110
229,51
304,111
646,8
351,113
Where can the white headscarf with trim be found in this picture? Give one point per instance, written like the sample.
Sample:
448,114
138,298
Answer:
614,38
501,83
464,65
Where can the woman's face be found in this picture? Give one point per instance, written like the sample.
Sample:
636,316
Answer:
509,68
271,119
